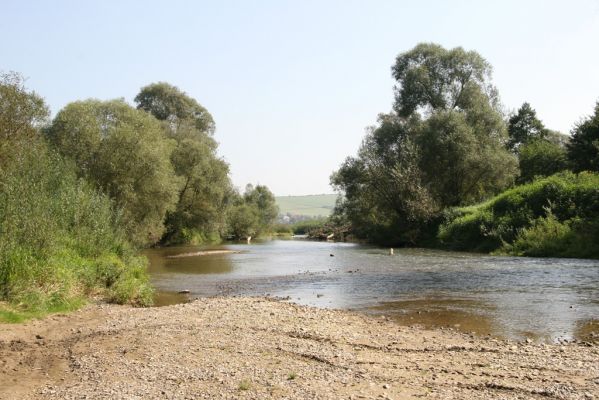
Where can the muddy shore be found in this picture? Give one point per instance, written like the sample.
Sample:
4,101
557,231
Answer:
257,348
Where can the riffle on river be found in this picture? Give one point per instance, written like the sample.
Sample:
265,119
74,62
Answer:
540,298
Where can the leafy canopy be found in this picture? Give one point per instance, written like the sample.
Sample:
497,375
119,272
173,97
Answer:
430,77
583,149
124,153
205,188
524,126
443,146
167,103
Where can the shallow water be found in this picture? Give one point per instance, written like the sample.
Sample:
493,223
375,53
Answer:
508,297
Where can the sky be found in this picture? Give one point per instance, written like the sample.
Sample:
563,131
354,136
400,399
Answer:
292,85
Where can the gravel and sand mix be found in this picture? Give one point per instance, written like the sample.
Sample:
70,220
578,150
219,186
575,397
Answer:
259,348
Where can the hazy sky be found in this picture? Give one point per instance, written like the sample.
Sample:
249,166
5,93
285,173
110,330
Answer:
293,84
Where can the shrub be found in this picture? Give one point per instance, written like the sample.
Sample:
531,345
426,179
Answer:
561,206
60,240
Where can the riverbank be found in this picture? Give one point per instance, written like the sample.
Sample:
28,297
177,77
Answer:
256,348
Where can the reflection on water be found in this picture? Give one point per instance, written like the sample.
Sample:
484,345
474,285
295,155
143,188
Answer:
587,330
161,264
162,298
505,296
465,315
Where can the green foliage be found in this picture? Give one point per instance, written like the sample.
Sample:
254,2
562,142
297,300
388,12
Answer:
124,153
243,221
263,200
431,77
304,227
205,189
252,214
552,216
167,103
540,158
461,164
524,127
444,147
282,230
60,239
21,114
583,149
547,236
385,197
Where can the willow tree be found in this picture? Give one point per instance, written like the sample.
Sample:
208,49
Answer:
124,153
22,113
442,146
205,190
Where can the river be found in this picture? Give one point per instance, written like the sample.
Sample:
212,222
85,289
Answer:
544,299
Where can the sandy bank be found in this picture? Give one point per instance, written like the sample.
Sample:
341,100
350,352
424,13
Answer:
204,253
253,348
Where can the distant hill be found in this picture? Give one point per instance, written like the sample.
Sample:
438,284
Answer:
310,206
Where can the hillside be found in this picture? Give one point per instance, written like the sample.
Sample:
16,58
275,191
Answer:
310,205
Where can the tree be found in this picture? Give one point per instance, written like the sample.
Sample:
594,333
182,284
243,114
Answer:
460,164
524,126
384,196
205,185
124,153
167,103
22,113
540,158
583,149
444,146
243,221
461,139
263,200
432,78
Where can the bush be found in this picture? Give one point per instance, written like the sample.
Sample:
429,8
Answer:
304,227
60,240
564,205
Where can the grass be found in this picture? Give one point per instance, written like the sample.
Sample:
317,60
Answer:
291,376
14,314
557,216
310,206
245,384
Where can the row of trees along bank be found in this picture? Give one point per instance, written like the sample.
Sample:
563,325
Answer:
447,145
82,193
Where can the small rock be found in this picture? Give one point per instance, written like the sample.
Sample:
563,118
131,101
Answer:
386,386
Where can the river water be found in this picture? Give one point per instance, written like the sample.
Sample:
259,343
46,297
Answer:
540,298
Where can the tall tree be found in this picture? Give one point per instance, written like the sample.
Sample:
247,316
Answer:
205,188
168,103
524,127
432,78
460,164
461,140
22,113
583,149
124,152
263,200
444,146
385,198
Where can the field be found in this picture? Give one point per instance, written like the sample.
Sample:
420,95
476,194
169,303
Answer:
311,205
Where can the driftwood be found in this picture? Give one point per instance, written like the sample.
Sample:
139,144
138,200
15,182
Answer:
204,253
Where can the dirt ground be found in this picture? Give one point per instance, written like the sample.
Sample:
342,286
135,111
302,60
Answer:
257,348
